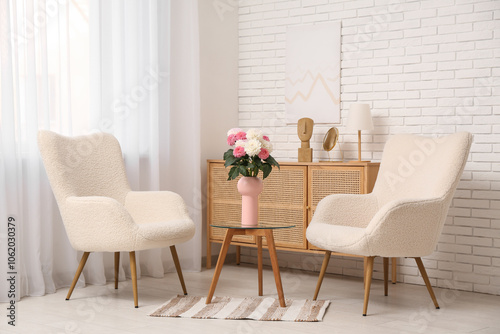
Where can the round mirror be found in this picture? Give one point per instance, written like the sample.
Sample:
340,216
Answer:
330,139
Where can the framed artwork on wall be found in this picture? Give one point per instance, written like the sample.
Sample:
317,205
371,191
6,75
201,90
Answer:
312,82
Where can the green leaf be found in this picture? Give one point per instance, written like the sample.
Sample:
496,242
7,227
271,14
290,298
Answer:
228,153
266,170
243,171
233,173
273,162
230,160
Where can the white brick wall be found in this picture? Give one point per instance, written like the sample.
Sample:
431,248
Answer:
425,67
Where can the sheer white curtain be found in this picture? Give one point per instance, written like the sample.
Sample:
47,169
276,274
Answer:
35,92
152,110
180,128
44,74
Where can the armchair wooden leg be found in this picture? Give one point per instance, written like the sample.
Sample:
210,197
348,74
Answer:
178,268
368,281
326,259
133,271
78,273
386,276
426,280
117,267
365,264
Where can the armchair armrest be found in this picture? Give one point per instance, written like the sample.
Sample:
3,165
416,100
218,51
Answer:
346,210
409,227
155,206
96,223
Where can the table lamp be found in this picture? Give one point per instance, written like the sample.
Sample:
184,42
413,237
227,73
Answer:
359,119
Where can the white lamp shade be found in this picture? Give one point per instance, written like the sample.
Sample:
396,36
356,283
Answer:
360,117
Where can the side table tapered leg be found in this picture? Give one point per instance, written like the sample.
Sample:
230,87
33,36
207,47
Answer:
259,263
276,268
220,263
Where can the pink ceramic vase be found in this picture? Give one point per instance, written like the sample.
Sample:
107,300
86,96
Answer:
250,187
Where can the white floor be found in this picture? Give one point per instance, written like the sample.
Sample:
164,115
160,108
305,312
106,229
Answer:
407,309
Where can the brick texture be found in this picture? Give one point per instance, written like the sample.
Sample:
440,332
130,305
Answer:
426,67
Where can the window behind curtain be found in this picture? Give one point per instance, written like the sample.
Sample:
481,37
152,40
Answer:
50,65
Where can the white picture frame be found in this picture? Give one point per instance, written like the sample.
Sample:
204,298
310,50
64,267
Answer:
312,81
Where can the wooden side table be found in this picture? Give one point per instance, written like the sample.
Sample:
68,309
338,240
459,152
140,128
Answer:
259,231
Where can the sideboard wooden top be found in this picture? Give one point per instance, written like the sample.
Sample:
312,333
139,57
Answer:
321,163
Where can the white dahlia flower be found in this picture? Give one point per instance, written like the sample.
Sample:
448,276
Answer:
267,145
254,134
252,147
241,143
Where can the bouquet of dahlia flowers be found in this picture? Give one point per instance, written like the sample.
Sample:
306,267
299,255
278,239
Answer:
251,153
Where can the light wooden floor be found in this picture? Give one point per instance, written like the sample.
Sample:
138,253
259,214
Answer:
407,309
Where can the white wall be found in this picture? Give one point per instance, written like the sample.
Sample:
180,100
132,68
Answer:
218,86
425,67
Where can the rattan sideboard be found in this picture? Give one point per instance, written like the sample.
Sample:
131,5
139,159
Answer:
290,196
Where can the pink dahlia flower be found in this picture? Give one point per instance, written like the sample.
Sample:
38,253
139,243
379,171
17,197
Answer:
239,151
264,154
234,131
266,138
231,140
241,136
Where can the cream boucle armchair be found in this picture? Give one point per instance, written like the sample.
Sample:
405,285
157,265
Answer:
405,213
100,212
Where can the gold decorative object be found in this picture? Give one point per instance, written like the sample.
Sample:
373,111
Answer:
304,131
330,140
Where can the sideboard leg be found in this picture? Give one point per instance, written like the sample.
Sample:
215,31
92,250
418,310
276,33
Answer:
259,263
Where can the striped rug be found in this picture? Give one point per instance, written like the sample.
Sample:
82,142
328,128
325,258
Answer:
262,309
